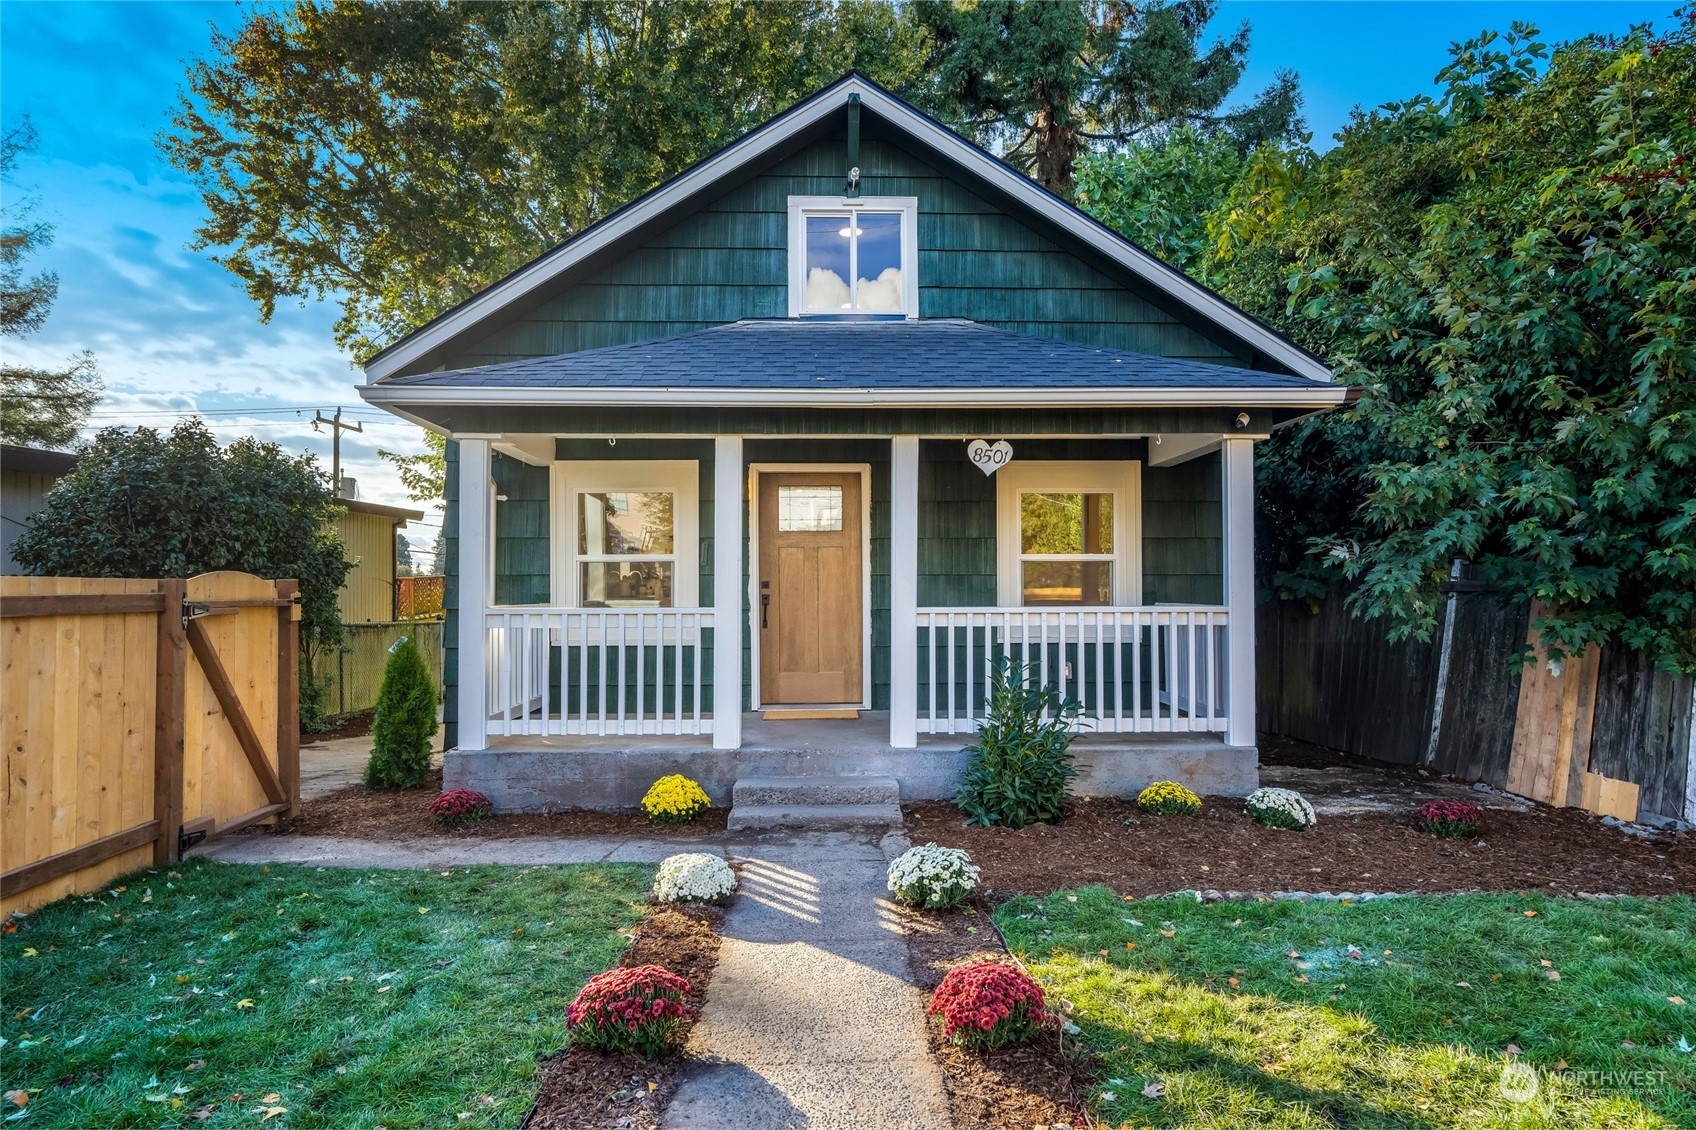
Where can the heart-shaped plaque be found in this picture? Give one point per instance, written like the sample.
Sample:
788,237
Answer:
989,457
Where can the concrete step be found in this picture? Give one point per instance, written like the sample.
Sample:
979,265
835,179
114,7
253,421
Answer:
756,817
796,792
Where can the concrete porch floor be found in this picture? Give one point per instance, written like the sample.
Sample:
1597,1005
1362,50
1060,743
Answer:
536,773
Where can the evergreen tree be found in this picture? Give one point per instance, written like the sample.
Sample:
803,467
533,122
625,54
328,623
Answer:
404,723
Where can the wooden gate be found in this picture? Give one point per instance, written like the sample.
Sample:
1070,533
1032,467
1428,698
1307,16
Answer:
139,715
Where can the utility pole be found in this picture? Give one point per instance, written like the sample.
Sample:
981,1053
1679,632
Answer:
336,429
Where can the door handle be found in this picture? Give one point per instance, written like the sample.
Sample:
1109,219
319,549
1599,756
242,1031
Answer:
765,603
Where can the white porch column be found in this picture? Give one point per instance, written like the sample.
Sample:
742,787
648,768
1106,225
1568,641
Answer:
476,537
728,541
1237,466
904,592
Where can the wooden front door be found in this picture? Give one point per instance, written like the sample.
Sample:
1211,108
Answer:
810,588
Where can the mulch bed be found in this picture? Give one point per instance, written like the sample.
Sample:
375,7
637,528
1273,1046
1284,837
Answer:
399,814
356,725
1035,1084
586,1090
1111,842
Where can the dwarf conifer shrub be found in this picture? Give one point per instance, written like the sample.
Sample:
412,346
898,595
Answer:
404,722
1022,760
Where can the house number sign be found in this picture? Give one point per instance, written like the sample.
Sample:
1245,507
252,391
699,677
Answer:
990,457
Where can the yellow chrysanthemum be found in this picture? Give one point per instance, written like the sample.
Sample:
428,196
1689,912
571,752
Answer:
1168,798
675,799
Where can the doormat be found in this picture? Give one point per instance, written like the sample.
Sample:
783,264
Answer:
808,713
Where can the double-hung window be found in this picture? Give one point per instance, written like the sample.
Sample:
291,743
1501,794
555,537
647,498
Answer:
853,256
629,533
1069,534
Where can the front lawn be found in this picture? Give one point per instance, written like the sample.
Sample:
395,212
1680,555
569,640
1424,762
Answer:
219,995
1398,1012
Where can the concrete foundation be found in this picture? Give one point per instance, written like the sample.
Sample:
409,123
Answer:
534,774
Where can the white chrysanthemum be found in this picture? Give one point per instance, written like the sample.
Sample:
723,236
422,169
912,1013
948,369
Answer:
694,877
932,877
1280,808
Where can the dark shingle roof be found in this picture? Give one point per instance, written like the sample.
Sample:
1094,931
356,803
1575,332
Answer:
942,353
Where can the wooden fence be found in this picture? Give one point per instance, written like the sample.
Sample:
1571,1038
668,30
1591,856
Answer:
353,672
137,715
1608,732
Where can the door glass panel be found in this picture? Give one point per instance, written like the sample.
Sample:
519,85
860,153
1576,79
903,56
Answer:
809,509
1068,582
625,523
827,262
1058,522
879,275
625,584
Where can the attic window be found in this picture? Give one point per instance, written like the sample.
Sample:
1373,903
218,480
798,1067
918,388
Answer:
853,257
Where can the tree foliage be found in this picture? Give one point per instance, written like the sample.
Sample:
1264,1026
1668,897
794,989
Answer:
424,475
143,503
1047,82
1509,272
404,721
42,407
1163,194
402,156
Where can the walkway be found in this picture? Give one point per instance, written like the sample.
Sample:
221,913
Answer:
811,1020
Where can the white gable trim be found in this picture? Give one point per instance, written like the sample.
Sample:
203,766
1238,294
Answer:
775,134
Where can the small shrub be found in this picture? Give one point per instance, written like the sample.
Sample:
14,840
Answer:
1168,798
675,800
1450,818
931,877
1280,808
694,877
460,806
1022,760
404,722
645,1010
989,1004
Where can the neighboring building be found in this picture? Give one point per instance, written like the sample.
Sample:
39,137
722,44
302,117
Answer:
820,427
368,534
26,475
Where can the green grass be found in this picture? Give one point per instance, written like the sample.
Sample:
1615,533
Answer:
1385,1039
357,998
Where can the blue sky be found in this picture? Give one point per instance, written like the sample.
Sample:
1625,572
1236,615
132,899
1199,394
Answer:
173,332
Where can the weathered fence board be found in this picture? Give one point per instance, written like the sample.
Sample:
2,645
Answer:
113,734
1336,681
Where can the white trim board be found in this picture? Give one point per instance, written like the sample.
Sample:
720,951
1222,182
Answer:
776,133
447,396
755,470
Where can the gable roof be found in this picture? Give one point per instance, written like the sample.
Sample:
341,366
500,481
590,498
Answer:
885,361
771,138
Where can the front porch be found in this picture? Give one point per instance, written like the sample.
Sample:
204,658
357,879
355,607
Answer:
536,773
586,702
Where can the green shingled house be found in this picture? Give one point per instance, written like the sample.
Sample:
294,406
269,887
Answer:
759,474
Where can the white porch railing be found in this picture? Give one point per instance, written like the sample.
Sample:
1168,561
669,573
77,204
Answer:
605,671
1135,670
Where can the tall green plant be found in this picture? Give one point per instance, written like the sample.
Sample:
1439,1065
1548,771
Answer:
405,721
1022,760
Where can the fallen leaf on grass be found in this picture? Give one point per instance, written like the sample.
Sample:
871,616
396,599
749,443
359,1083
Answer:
30,951
385,988
1232,981
1554,975
1675,1000
17,1098
245,1002
267,1113
1462,985
1167,933
1154,1090
1545,963
1512,1049
1531,914
201,1114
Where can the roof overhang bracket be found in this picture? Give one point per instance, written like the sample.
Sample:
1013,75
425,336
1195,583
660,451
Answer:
851,190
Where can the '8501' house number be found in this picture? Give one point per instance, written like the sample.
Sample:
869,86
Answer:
989,457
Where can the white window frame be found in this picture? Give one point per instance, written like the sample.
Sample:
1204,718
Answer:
800,207
572,478
1121,478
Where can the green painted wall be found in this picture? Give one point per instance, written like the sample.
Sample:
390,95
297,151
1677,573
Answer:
1183,547
523,569
728,260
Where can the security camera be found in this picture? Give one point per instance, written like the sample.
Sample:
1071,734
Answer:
1242,420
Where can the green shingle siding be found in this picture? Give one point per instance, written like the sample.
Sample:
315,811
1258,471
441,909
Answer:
523,565
1182,533
729,260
